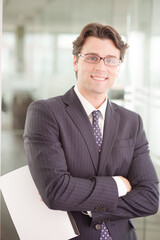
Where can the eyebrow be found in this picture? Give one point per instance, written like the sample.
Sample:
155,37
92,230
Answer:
96,54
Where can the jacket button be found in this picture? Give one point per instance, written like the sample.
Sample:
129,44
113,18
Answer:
98,226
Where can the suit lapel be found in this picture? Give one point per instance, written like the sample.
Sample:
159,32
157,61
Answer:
79,117
110,129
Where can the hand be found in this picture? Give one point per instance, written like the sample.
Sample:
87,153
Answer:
127,183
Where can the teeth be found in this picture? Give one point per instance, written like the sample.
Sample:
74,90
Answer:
99,78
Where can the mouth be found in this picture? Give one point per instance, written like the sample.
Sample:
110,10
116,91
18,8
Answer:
99,78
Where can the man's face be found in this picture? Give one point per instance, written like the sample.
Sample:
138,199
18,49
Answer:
94,80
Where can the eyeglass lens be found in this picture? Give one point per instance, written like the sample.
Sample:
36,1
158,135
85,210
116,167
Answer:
111,61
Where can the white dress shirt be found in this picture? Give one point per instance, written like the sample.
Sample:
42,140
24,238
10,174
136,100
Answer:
89,109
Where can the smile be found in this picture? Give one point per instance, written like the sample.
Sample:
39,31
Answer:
97,78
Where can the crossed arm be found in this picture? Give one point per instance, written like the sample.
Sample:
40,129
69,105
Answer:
98,194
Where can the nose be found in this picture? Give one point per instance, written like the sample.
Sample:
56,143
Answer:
100,65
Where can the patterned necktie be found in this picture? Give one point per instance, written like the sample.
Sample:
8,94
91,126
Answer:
96,129
98,136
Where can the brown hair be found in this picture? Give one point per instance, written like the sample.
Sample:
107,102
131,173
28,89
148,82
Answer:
102,32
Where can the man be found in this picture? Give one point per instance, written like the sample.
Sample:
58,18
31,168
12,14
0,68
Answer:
88,155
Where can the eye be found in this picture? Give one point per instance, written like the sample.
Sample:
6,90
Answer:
91,58
111,61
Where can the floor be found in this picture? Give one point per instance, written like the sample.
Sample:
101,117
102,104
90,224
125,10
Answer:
13,157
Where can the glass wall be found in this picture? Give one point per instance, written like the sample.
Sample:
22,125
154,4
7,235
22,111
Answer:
37,63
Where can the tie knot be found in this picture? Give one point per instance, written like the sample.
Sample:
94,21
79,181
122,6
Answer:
95,115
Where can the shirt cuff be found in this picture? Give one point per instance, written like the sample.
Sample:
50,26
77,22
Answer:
88,213
122,190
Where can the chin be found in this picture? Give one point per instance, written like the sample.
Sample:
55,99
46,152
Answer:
100,92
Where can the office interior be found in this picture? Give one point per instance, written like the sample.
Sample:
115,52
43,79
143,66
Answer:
37,64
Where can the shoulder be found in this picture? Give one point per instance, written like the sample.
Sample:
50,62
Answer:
128,120
54,103
124,111
127,117
44,105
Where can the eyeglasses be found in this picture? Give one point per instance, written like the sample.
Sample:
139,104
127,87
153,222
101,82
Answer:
94,59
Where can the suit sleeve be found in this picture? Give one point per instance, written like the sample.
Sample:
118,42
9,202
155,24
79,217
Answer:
143,199
46,159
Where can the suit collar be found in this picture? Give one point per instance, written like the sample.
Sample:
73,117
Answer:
78,115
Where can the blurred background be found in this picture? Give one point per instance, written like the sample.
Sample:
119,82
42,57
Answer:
37,63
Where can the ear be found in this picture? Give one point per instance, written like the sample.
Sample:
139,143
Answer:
75,64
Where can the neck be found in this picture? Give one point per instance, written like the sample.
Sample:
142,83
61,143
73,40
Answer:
96,102
95,99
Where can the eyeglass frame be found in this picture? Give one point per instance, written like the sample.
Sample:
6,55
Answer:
100,58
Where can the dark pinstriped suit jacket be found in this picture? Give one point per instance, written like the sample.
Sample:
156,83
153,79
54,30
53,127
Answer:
69,174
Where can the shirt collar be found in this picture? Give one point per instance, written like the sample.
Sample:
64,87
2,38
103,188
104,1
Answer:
88,106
